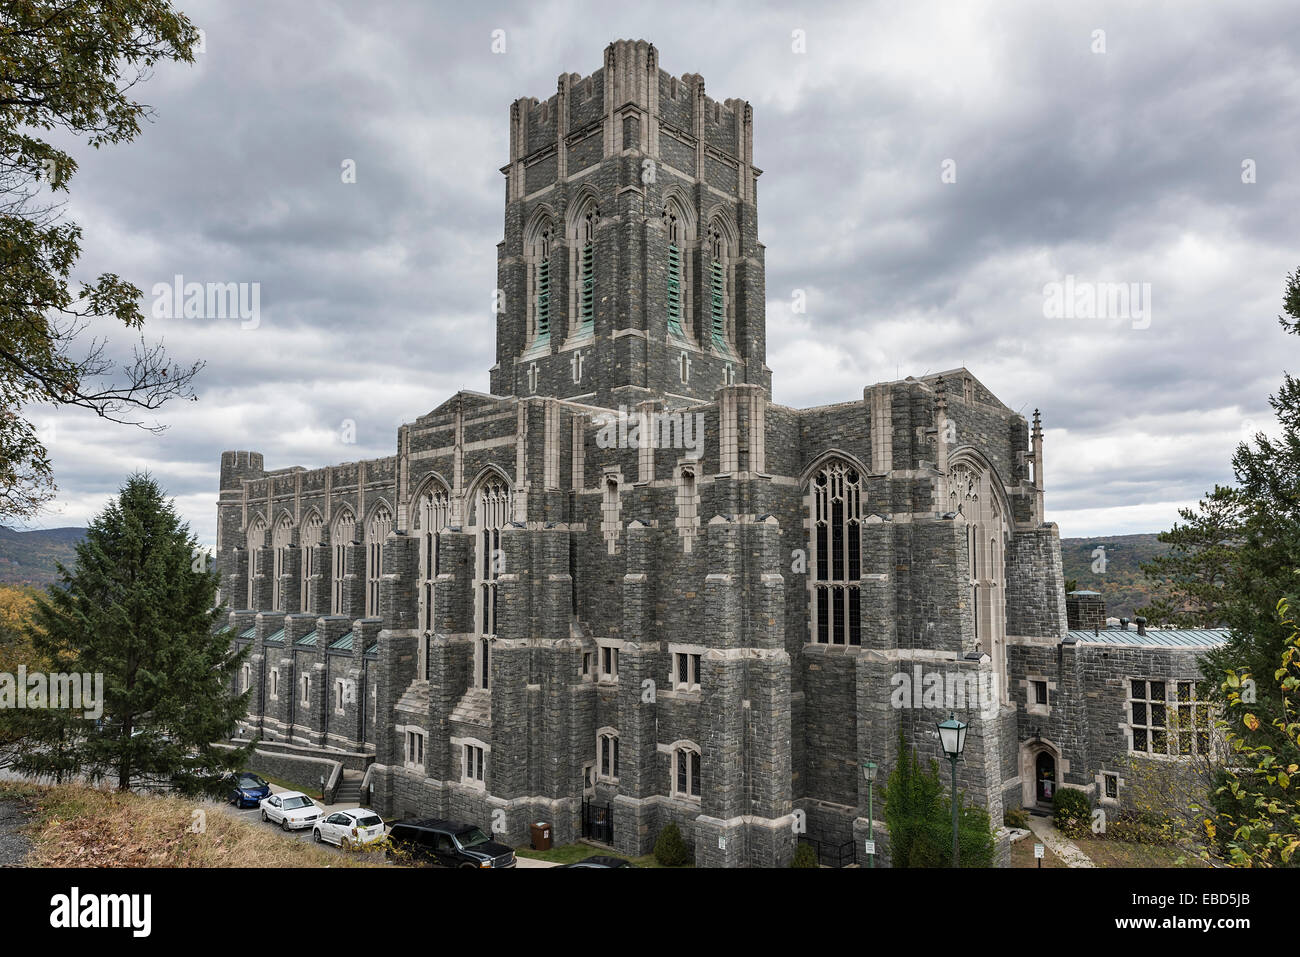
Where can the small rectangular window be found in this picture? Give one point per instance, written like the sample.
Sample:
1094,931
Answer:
1040,692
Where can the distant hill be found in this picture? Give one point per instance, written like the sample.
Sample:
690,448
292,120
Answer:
1122,585
28,558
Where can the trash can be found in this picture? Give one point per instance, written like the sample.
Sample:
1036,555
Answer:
541,834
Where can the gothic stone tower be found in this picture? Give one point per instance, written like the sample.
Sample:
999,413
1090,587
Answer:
631,265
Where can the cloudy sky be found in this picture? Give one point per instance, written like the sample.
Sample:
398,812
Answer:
928,170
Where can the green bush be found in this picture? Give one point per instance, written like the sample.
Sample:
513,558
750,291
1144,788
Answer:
918,813
1016,817
670,849
1071,811
804,856
1138,827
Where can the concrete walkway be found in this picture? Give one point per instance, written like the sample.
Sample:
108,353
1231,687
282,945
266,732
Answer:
1058,843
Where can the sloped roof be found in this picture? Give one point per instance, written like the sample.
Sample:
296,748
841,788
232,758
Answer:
1157,638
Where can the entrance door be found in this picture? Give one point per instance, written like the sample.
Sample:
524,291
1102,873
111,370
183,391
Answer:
1045,774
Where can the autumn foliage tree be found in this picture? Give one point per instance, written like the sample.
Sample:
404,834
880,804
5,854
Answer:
70,66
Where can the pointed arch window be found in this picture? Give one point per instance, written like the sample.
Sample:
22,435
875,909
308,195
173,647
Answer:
344,534
539,270
431,516
312,535
492,511
673,227
281,539
836,563
256,542
583,271
972,496
381,523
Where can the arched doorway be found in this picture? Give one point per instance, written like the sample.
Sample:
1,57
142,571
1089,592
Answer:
1044,777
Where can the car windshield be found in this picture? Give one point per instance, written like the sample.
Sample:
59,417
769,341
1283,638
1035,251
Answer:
370,820
471,838
291,803
251,781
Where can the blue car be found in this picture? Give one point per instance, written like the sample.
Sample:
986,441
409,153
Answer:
248,790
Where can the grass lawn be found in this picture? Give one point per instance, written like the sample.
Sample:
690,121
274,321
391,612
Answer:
569,853
1110,853
1022,854
77,826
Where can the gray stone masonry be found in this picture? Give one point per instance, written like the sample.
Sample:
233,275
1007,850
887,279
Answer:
669,594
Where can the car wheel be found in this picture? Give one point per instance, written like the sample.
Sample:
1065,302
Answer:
264,817
284,824
316,836
469,866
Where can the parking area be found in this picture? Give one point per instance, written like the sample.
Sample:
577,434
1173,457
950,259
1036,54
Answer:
254,816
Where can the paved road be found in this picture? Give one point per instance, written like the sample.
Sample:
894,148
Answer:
13,845
253,815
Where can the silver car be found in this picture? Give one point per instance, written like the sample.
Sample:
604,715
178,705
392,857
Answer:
292,810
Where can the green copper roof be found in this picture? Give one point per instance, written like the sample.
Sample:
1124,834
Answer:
307,641
373,650
342,644
1171,638
278,636
251,633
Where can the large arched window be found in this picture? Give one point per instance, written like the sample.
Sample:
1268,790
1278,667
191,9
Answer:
343,535
582,272
677,232
538,256
281,539
836,559
313,533
491,512
974,498
431,512
256,541
381,523
720,324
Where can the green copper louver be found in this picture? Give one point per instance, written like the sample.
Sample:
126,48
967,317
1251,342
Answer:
719,314
674,290
543,300
588,304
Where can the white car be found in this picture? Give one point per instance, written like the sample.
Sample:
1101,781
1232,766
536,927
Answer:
292,810
349,828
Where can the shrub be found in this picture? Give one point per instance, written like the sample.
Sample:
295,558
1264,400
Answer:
670,849
804,856
918,813
1071,811
1139,827
1016,817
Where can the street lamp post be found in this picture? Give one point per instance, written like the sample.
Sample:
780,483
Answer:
869,772
952,735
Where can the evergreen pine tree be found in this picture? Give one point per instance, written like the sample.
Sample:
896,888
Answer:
140,608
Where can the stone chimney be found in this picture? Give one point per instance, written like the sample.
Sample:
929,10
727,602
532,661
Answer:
1085,610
